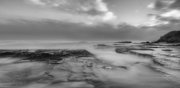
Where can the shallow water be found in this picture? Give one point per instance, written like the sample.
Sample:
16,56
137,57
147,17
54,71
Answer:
138,75
138,72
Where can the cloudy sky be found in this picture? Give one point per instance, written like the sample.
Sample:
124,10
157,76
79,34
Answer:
87,19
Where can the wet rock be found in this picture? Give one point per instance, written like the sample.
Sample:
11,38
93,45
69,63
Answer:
102,45
142,54
97,84
46,78
122,50
147,43
168,63
124,42
123,67
129,49
50,56
167,50
77,53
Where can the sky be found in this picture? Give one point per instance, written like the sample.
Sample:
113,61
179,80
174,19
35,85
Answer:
86,20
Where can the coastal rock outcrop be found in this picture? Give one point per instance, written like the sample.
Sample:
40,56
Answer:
171,37
45,55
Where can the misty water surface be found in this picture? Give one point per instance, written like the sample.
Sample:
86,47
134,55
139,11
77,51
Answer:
138,72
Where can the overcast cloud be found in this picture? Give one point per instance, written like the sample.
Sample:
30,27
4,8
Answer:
88,19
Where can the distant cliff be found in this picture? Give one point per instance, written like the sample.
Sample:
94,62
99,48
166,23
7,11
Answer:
171,37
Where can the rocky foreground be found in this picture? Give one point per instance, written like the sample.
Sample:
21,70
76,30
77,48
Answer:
105,65
44,54
50,69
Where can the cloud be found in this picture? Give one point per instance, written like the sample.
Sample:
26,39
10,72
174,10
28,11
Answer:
155,20
96,10
168,12
65,19
172,13
151,6
175,4
70,31
83,12
38,2
161,4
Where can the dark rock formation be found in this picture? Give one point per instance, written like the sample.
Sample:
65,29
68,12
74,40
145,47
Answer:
124,42
129,49
171,37
102,45
147,43
122,49
45,55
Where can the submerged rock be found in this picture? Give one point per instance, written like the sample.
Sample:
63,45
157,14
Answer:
102,45
168,50
122,50
129,49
